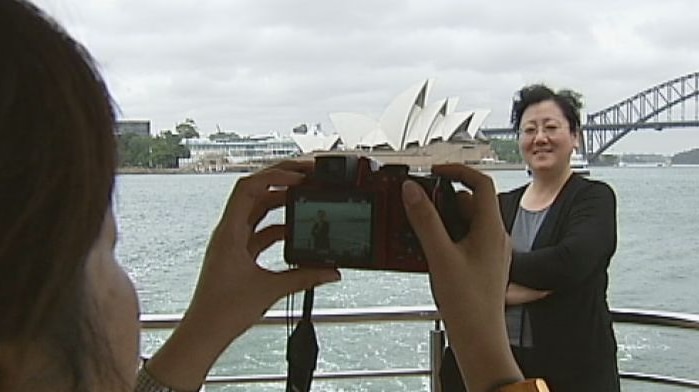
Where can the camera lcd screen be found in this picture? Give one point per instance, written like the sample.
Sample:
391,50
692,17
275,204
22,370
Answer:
333,227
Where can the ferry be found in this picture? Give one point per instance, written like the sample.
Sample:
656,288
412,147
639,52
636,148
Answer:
645,164
579,165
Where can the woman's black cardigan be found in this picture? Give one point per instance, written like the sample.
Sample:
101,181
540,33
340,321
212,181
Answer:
570,255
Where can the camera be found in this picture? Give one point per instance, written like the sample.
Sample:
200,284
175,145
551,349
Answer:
349,214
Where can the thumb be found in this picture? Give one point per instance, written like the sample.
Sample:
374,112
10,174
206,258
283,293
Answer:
425,220
296,280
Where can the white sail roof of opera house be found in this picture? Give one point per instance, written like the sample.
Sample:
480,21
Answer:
474,126
430,118
402,112
315,142
408,121
355,126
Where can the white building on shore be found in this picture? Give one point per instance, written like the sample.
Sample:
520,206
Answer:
246,150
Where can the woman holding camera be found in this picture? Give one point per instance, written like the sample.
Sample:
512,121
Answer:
70,313
563,232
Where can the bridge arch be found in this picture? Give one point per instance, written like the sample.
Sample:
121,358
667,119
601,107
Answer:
604,128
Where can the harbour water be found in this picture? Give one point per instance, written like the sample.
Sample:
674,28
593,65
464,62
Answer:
165,221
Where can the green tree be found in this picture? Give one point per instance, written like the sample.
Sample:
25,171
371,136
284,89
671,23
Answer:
506,150
166,150
690,157
162,151
134,150
187,129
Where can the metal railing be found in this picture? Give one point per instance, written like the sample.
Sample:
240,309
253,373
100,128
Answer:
437,340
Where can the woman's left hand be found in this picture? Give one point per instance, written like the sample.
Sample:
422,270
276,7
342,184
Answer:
517,294
231,281
234,291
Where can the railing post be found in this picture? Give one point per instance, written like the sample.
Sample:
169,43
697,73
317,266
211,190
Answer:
437,343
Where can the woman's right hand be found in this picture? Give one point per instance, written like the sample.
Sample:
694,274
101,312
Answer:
469,277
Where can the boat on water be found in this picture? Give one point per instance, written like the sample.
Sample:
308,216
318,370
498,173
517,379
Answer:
579,165
644,164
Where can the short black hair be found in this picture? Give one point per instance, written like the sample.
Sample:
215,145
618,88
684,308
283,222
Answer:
569,101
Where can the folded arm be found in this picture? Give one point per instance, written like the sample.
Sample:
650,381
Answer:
584,244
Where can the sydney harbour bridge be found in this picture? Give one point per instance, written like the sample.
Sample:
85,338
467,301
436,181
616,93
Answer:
672,104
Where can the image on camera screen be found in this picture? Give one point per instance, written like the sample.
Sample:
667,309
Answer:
333,227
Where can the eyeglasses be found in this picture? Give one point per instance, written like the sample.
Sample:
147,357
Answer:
550,129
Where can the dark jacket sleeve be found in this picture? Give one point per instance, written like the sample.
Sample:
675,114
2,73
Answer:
577,239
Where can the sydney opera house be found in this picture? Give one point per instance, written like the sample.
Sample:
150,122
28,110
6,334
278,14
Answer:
411,130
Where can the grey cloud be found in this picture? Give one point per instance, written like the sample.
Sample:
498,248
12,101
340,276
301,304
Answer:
260,65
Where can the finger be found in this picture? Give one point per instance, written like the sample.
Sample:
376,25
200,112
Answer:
425,220
270,201
264,238
464,203
305,166
296,280
479,182
485,207
277,198
246,194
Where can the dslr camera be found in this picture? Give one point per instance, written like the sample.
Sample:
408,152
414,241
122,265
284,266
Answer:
350,214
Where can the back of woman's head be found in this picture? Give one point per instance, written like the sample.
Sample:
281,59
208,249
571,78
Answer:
57,164
568,101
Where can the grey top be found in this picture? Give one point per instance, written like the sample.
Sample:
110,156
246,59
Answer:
524,229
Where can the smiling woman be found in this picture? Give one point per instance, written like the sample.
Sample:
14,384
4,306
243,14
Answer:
563,231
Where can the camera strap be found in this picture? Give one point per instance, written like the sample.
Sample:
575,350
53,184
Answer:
302,350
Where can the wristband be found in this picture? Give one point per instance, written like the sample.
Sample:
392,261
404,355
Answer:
146,383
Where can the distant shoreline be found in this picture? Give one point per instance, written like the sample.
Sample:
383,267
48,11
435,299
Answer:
254,168
144,170
191,170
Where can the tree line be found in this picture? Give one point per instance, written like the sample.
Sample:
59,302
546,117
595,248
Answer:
506,150
161,151
690,157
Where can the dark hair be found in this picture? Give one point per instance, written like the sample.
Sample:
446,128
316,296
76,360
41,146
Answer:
56,178
569,101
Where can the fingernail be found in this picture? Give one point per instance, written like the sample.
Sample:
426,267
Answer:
411,192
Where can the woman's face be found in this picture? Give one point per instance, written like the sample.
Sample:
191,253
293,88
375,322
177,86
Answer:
116,302
545,138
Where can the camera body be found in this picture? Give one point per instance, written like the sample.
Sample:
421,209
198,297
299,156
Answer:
350,214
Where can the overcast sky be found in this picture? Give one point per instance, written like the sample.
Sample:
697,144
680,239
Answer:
255,66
